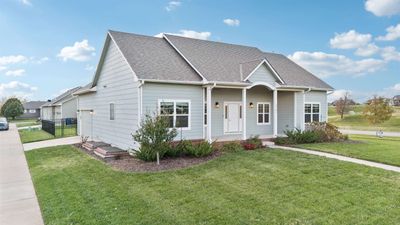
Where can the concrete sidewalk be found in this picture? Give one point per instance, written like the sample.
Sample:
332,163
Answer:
52,142
373,133
341,158
18,202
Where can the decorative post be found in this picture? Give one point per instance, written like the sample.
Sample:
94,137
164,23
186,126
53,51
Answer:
244,108
209,106
275,114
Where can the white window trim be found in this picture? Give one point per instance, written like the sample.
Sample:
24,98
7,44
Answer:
269,113
311,114
174,114
109,111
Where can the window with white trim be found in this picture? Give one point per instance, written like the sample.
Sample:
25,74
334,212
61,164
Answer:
312,112
32,111
112,111
263,112
177,112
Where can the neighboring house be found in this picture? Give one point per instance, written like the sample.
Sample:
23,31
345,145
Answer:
32,110
396,100
62,107
208,90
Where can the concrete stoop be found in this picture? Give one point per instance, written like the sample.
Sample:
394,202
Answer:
109,152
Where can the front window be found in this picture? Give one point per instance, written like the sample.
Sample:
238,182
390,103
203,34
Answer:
263,113
32,111
311,112
176,112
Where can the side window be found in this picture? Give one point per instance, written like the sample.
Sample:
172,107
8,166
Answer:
112,111
263,113
312,112
176,112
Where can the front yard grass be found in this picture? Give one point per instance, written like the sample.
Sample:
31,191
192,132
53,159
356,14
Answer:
33,135
249,187
384,150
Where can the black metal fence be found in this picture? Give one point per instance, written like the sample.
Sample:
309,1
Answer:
61,127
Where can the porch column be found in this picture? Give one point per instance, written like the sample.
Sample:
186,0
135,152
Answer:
209,106
244,106
275,112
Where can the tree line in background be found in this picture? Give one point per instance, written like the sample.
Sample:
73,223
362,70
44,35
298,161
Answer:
377,109
11,107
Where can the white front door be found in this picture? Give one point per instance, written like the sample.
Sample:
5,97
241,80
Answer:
232,120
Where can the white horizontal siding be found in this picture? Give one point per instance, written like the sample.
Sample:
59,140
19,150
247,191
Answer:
115,85
263,74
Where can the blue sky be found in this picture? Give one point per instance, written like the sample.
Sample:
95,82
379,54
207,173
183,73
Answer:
49,46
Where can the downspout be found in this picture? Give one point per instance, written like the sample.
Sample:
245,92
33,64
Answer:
140,101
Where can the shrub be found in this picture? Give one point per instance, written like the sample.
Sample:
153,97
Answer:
232,147
327,131
202,149
255,140
282,141
154,136
298,136
182,148
249,146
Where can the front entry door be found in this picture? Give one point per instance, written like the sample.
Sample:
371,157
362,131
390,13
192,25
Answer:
232,118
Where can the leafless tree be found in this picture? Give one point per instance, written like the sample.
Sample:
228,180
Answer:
343,104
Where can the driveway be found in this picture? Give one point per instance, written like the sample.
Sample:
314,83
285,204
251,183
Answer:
18,202
364,132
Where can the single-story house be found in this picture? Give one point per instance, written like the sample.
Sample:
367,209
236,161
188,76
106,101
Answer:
208,90
396,100
32,109
62,107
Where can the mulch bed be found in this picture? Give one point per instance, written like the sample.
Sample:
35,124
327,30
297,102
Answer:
131,164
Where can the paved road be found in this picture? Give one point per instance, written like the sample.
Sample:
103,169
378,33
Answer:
52,142
342,158
364,132
18,202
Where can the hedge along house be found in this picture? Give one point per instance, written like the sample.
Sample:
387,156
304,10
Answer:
61,107
207,90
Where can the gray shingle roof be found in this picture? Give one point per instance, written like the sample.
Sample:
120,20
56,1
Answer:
33,104
153,58
64,96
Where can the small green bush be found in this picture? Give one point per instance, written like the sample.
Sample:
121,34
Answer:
202,149
232,147
182,148
301,137
154,136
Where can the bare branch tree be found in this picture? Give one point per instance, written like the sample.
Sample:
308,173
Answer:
343,104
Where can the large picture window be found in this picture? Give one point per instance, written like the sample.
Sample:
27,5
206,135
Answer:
312,112
263,113
177,112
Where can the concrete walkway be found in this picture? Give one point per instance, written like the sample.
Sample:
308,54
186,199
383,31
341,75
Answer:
18,202
342,158
373,133
30,127
52,142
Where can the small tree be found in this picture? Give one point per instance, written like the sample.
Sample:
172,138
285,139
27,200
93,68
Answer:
154,137
343,105
378,110
12,108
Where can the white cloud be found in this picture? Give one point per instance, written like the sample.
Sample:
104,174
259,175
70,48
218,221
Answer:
12,59
338,94
393,33
232,22
395,87
383,7
349,40
89,67
2,68
190,34
16,88
325,65
26,2
172,5
368,50
80,51
390,54
15,73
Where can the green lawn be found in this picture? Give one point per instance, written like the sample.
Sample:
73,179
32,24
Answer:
358,122
34,135
385,150
252,187
28,124
41,135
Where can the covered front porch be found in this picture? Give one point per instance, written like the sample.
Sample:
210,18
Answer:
237,113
